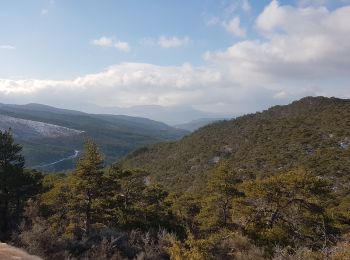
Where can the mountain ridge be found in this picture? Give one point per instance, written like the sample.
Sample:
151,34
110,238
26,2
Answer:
171,115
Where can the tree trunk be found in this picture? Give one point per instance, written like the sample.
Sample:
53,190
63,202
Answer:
4,224
88,216
225,212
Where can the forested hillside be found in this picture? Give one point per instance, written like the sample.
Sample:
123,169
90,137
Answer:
313,132
274,185
40,128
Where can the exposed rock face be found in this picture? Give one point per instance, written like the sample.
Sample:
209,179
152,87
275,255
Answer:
9,252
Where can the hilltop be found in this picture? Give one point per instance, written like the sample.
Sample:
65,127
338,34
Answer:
313,132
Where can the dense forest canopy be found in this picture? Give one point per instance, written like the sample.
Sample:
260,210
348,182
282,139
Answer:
273,185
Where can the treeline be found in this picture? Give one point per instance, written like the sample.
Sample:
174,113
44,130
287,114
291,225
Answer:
99,212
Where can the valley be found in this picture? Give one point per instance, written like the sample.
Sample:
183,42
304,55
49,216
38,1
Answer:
53,164
60,132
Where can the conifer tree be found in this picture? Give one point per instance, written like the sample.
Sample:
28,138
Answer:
217,205
16,185
88,185
11,166
288,209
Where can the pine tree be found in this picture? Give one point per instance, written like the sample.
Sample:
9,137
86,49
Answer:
11,166
288,209
217,207
16,185
88,185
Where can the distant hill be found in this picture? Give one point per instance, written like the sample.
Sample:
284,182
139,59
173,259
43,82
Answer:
51,137
198,123
171,115
313,132
28,129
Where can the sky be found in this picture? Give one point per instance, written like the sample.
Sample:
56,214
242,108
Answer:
220,56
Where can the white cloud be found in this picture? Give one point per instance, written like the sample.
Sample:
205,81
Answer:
173,42
103,42
298,43
123,46
7,47
110,42
301,51
123,85
234,27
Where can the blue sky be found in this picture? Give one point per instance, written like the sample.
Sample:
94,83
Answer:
52,38
172,53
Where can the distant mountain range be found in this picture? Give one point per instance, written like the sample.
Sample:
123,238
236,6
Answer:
171,115
52,137
198,123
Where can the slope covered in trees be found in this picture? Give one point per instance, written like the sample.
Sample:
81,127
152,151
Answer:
313,133
94,212
281,193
